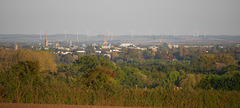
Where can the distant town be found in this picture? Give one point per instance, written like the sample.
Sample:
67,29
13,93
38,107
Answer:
106,44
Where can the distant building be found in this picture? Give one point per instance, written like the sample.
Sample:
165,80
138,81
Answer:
70,44
50,44
61,48
94,44
106,46
107,55
127,45
15,46
98,52
143,49
175,46
82,52
67,52
84,46
46,41
115,50
170,45
134,47
153,48
56,45
167,45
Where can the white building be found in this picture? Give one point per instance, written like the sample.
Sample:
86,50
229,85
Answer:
81,52
107,55
127,45
98,52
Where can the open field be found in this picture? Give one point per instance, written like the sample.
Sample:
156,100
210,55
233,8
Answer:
24,105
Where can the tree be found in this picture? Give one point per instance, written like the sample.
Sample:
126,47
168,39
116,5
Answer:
188,82
205,83
114,55
181,51
162,55
235,81
173,76
27,71
205,63
86,62
143,78
68,59
214,50
146,54
105,62
226,59
21,80
89,49
10,57
99,78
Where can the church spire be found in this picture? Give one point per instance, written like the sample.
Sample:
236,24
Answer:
46,41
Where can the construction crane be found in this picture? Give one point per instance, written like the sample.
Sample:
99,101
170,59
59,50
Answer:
105,40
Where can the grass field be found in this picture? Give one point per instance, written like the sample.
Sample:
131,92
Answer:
24,105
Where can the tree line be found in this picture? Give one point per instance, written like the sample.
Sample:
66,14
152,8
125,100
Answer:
211,80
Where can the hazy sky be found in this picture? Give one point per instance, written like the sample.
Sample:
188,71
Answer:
120,16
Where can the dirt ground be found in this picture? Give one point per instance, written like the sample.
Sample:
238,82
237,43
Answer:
24,105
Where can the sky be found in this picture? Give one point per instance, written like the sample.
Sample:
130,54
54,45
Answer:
122,17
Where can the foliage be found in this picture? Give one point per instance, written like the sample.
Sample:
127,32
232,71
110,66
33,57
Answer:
221,82
211,64
138,78
21,80
10,57
99,79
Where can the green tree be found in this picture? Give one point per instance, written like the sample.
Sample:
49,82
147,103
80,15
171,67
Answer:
11,57
68,59
100,78
147,54
173,76
114,55
188,82
226,59
205,63
86,62
235,81
90,50
21,81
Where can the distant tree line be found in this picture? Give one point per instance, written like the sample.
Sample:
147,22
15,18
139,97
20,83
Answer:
129,79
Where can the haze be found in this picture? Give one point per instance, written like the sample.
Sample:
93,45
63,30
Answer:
120,16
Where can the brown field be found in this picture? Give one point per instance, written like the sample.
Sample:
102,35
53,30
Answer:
24,105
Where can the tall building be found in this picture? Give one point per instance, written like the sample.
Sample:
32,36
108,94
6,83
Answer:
46,41
15,46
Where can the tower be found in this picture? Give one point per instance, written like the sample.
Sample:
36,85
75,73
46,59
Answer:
205,33
77,37
65,32
15,46
132,34
150,32
87,33
174,33
46,41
